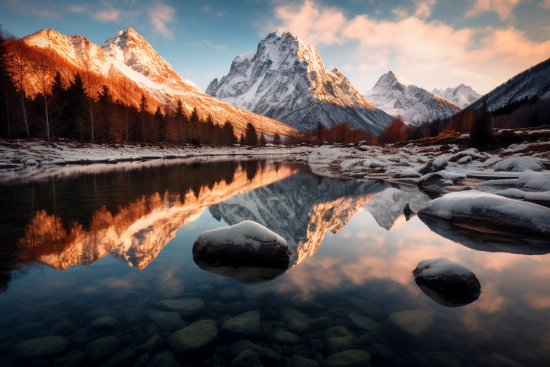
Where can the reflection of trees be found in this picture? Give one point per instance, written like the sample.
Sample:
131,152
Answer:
134,232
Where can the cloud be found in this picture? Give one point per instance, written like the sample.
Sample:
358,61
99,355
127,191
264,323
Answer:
504,8
312,22
347,67
161,15
483,57
545,4
42,9
205,9
400,12
424,8
187,72
106,14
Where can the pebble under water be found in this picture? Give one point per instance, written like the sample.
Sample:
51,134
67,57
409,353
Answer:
96,270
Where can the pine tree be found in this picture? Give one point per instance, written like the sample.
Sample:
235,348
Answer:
481,133
160,121
181,119
241,140
6,85
75,111
143,112
251,135
277,139
263,142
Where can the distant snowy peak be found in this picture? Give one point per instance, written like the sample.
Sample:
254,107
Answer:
394,94
462,96
286,79
131,49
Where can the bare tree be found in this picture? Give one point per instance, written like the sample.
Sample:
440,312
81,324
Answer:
20,70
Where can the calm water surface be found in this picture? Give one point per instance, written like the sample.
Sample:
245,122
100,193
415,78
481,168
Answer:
117,241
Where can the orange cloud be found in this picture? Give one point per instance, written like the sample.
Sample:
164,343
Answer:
504,8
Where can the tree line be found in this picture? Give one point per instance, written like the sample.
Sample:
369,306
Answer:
43,97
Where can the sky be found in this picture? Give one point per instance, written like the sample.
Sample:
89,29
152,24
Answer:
433,43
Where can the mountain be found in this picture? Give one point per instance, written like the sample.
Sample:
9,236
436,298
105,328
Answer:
529,84
127,61
462,96
394,94
285,79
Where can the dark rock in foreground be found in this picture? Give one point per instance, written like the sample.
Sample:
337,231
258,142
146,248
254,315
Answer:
196,336
446,275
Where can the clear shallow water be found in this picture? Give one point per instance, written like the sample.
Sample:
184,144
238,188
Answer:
116,243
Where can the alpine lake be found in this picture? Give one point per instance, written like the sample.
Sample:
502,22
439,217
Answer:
96,269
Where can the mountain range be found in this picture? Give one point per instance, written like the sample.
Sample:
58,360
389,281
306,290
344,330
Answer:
462,95
394,94
285,79
128,64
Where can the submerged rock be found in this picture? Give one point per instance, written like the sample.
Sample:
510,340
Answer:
338,339
349,358
244,241
45,346
246,359
266,355
365,323
102,348
304,325
186,307
298,361
410,327
196,336
246,325
491,213
305,303
105,323
286,338
167,321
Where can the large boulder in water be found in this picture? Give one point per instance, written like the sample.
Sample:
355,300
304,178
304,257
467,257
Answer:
247,240
491,213
446,275
446,282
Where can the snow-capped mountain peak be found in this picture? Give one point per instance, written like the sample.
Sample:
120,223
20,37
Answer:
286,79
131,49
462,95
396,95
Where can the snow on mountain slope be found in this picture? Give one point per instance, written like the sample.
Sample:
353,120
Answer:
394,94
287,80
531,83
128,58
462,95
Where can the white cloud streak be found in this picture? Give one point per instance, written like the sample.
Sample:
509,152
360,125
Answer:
161,16
504,8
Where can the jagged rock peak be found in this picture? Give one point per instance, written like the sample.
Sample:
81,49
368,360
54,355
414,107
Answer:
286,79
390,79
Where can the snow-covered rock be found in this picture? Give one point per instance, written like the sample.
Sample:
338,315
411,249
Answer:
371,163
285,79
535,181
31,162
465,159
394,94
446,275
439,178
247,240
489,212
462,95
409,173
519,164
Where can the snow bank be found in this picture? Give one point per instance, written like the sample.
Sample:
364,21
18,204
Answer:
526,195
440,178
535,181
520,164
244,241
371,163
489,212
